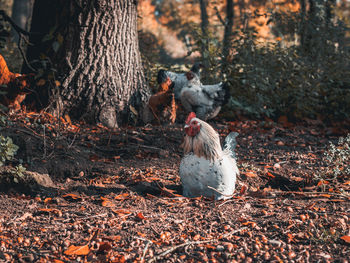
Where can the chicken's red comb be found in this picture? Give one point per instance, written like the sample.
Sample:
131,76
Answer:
190,117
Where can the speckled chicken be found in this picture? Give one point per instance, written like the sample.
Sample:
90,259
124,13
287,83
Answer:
205,100
207,169
179,80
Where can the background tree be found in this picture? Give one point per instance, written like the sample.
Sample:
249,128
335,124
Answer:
91,47
21,14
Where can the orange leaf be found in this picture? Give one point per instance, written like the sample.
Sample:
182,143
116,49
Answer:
77,250
347,182
243,190
47,200
107,203
73,196
67,118
270,175
122,196
250,174
57,261
140,216
322,182
249,223
346,239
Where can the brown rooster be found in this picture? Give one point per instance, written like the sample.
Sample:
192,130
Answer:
13,85
162,100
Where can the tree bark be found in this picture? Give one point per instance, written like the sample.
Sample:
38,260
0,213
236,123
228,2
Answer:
228,31
205,31
93,46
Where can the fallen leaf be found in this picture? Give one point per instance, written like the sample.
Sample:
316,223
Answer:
47,200
104,246
243,190
72,196
322,182
77,250
250,174
141,216
346,239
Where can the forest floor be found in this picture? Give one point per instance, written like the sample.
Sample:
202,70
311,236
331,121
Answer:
117,196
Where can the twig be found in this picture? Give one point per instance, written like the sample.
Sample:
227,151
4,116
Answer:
219,16
19,44
14,25
212,188
311,193
146,146
146,247
166,252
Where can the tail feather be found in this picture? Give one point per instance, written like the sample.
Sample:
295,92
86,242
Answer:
231,143
226,89
162,76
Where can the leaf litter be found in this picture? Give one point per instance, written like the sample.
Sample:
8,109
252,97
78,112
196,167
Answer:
118,197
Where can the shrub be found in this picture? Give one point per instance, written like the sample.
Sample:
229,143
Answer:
338,157
7,149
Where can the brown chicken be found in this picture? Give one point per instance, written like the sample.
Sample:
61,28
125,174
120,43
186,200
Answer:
14,86
163,102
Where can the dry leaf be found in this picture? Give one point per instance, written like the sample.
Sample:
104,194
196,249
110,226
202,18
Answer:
41,82
141,216
77,250
250,174
73,196
346,239
104,246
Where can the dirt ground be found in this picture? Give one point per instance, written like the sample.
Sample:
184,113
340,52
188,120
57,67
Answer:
117,197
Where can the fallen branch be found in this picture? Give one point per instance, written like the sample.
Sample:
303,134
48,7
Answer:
168,251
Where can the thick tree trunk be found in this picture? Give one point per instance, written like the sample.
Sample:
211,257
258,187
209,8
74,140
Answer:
93,45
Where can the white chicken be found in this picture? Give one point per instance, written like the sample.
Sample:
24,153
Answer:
205,100
206,169
178,79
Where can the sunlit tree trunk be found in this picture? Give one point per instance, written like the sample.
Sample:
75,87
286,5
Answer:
93,45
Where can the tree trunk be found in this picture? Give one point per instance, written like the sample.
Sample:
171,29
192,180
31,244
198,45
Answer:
93,46
302,22
205,32
21,13
228,31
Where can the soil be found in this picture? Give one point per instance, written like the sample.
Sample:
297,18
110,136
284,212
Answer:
117,196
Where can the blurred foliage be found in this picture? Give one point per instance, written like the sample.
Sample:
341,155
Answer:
283,77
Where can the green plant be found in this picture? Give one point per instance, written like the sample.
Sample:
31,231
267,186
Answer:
7,149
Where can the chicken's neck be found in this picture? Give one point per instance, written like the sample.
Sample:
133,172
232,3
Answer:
205,144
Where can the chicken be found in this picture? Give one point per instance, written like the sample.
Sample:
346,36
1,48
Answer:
13,86
205,100
179,79
164,102
206,169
